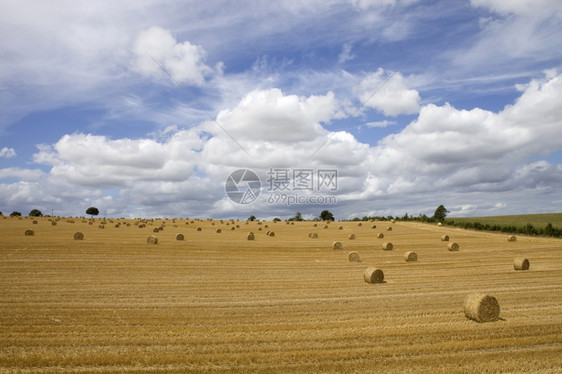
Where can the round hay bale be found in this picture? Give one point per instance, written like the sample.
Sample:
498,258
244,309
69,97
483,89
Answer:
340,228
180,237
29,233
267,232
34,222
373,275
351,237
78,236
54,223
359,224
374,226
233,228
521,263
453,247
199,229
152,240
251,236
314,235
101,226
410,256
387,246
315,225
155,229
218,231
266,226
337,245
392,221
325,226
389,228
512,238
481,307
445,238
90,223
292,223
117,225
439,223
271,233
353,257
380,235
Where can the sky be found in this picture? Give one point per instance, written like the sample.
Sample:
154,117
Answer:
224,109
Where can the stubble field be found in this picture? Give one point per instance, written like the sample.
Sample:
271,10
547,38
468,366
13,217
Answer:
289,303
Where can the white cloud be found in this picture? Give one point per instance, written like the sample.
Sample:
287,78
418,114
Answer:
521,33
383,123
269,115
96,161
7,152
345,54
388,93
184,61
522,7
21,174
366,4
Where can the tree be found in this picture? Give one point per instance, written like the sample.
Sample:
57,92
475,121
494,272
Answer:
298,217
326,215
92,211
252,218
440,213
15,214
35,213
276,219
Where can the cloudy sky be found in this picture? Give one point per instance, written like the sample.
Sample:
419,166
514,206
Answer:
362,107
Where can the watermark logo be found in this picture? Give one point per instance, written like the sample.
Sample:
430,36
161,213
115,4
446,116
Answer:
285,186
243,186
301,186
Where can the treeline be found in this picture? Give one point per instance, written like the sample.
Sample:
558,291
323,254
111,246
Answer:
528,229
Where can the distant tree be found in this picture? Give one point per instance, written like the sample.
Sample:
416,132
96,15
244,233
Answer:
440,213
15,214
276,219
92,211
298,217
35,213
252,218
326,215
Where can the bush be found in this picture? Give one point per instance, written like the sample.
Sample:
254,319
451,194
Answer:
35,213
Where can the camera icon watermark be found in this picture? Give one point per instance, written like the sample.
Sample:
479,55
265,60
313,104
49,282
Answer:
243,186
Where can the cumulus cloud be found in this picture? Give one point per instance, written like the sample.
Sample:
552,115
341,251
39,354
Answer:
184,61
96,161
7,152
388,93
270,115
472,160
474,149
21,174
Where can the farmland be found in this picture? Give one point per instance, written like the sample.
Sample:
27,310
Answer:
288,303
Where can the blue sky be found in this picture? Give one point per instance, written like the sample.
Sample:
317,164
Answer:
144,108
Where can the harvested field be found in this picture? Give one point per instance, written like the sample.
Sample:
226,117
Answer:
209,303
